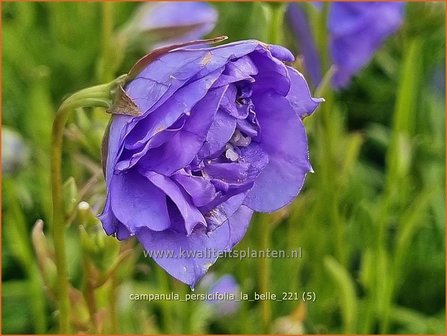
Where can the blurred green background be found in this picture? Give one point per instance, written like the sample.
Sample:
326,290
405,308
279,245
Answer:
370,220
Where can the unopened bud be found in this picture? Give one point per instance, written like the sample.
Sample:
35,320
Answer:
70,192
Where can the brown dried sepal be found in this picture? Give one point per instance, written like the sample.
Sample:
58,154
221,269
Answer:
123,104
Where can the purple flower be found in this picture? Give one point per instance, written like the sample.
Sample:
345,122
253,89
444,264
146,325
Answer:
15,153
357,30
224,285
306,44
173,22
220,135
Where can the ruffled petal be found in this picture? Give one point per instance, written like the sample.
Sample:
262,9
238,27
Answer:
181,103
228,172
183,147
147,132
191,216
281,53
153,86
188,258
219,133
299,95
241,69
273,76
284,140
256,158
137,203
114,143
111,224
162,78
225,210
200,189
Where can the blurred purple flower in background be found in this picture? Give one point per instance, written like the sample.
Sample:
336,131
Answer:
356,31
438,80
15,153
306,44
226,284
165,23
220,135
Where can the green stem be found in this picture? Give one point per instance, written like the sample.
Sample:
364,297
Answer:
58,220
276,23
328,157
97,96
318,19
264,273
397,172
324,37
166,311
107,66
113,313
89,293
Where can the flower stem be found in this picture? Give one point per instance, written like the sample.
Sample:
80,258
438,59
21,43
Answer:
318,20
89,294
276,23
97,96
113,311
325,42
264,272
166,307
58,220
107,66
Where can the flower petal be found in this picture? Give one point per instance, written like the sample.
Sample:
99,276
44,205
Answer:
284,140
160,16
273,75
190,214
299,95
301,30
219,133
164,76
188,258
357,31
180,103
200,189
111,224
182,148
225,210
281,53
241,69
137,203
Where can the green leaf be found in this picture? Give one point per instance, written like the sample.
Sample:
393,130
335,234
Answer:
345,291
404,113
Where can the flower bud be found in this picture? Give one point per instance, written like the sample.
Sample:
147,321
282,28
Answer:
70,191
